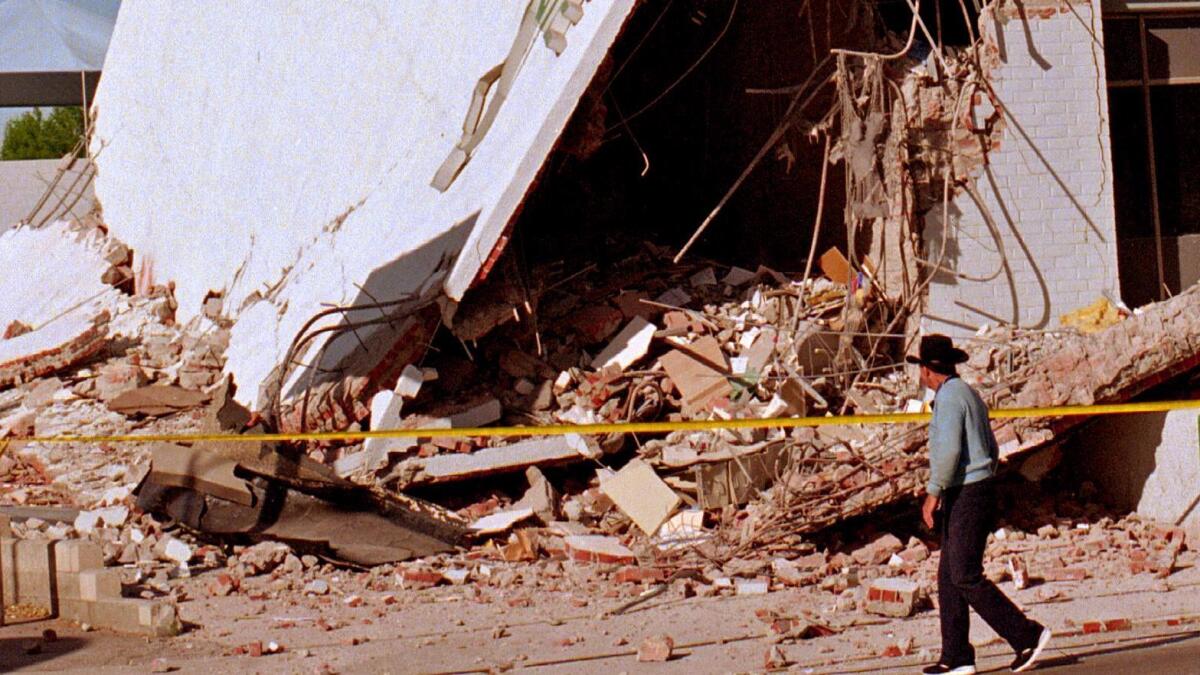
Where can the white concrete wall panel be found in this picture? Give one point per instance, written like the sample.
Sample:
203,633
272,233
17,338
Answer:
281,152
1149,463
1047,188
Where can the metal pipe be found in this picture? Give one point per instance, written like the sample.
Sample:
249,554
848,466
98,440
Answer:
1154,210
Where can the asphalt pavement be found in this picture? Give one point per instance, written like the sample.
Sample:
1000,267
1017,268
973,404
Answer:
1177,654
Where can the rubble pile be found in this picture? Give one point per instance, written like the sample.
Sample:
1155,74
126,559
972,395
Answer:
1048,543
708,512
645,341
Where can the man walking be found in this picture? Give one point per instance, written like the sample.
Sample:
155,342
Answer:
962,459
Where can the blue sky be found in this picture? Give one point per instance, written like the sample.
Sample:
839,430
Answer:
53,35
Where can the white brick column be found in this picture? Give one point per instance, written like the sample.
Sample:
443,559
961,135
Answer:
1040,240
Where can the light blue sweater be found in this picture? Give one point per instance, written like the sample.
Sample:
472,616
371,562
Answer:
962,447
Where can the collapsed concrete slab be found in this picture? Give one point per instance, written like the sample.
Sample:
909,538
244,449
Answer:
356,195
56,308
1112,365
259,493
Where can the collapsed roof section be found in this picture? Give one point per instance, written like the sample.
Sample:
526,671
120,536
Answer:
310,160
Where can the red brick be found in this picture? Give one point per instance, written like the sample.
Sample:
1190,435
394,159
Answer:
1118,624
1092,627
637,575
419,578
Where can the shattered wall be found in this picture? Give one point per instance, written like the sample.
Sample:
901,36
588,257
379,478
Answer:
286,162
1034,235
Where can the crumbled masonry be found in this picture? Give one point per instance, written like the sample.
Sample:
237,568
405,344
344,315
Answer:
369,320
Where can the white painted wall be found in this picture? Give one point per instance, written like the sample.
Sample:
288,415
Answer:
281,152
1149,463
1048,188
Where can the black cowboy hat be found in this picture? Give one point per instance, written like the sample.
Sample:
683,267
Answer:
938,352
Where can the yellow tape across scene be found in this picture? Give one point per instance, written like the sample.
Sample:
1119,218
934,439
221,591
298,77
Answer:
623,427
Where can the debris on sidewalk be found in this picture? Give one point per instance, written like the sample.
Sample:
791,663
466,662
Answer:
307,503
641,495
656,649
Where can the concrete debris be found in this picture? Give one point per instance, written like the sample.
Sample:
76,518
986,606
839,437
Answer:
699,372
639,493
308,504
316,587
170,548
118,378
628,347
63,343
656,649
541,497
751,586
501,521
500,459
599,549
893,597
156,400
264,557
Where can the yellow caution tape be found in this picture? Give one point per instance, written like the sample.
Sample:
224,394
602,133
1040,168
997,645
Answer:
623,427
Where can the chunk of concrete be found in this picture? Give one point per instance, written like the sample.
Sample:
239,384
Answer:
29,571
598,548
197,469
893,596
628,347
501,521
541,496
171,549
454,467
699,372
480,414
640,494
656,649
409,383
385,410
117,378
134,616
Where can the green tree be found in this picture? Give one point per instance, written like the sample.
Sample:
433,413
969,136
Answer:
35,135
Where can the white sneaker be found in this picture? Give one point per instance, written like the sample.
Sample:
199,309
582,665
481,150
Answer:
1027,657
941,668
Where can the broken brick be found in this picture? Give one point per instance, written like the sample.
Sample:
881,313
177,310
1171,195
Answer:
655,649
894,596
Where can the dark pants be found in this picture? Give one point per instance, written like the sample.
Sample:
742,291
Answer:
968,515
